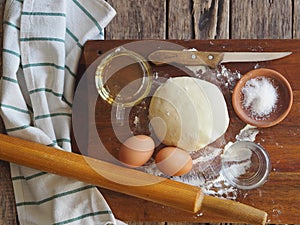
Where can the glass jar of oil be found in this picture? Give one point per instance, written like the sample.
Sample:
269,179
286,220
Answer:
123,78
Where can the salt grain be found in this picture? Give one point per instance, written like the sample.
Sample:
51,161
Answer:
260,96
136,120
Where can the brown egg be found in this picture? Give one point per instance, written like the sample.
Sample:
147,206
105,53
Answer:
173,161
136,150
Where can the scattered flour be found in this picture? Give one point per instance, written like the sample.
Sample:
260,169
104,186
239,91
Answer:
248,133
221,76
206,172
215,184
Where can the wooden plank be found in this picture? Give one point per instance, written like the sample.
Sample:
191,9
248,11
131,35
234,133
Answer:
296,23
211,19
8,208
143,223
261,19
137,19
180,19
280,196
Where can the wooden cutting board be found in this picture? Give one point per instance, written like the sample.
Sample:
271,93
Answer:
280,196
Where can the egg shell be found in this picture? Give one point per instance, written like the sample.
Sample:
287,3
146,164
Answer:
136,150
173,161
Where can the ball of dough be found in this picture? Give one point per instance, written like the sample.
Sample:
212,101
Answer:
188,113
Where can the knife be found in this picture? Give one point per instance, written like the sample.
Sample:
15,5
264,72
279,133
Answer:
211,59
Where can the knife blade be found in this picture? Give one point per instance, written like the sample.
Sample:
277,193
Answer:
211,59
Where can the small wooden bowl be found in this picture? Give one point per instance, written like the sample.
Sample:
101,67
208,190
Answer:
283,105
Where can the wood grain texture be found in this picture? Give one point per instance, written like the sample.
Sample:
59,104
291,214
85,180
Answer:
7,209
137,19
261,19
211,19
180,19
280,196
296,17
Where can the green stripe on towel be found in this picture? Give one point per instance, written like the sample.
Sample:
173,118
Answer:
15,108
29,177
43,64
55,196
74,38
43,14
72,35
60,140
11,25
83,217
11,52
70,71
17,128
89,16
10,79
52,115
42,39
48,90
66,101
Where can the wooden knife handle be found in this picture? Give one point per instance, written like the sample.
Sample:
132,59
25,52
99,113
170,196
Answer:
124,180
187,58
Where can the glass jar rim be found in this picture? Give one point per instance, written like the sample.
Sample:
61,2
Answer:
146,78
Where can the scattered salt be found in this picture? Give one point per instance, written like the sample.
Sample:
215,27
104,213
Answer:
136,120
256,66
222,77
248,133
260,96
200,214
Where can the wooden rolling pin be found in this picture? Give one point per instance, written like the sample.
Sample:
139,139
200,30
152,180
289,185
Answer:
128,181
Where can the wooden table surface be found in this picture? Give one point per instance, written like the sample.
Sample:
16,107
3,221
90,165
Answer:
279,197
186,19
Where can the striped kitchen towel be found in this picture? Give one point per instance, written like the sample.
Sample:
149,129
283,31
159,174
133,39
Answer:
43,40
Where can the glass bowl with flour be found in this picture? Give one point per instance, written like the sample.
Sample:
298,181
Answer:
245,165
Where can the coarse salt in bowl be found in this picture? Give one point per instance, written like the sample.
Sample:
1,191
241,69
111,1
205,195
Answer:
262,97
